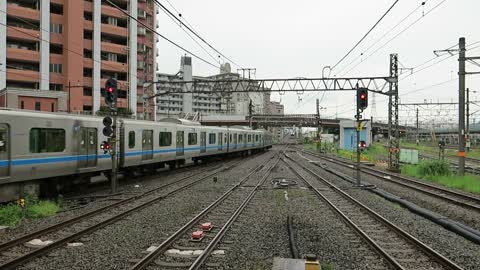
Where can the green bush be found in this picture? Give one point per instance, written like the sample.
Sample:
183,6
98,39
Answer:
434,168
42,209
10,214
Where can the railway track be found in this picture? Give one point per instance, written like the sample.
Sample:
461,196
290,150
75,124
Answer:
14,253
458,198
397,247
222,213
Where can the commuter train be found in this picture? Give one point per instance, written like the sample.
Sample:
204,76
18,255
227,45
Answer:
41,150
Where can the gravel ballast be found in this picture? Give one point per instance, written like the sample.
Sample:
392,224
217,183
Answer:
119,245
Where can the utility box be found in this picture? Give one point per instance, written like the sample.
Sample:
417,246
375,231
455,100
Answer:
409,156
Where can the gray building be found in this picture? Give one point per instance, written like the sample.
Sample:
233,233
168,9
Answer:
205,103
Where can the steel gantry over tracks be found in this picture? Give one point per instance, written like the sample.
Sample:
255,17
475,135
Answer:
381,85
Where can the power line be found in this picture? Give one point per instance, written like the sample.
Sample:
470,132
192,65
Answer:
194,32
397,35
160,35
192,38
373,27
385,34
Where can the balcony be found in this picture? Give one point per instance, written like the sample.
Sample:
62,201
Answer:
114,30
22,33
23,55
87,63
23,12
112,12
22,75
88,25
114,48
114,66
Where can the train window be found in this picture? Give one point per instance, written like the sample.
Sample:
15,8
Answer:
165,138
131,139
256,138
3,139
249,137
240,138
47,140
231,138
192,138
212,138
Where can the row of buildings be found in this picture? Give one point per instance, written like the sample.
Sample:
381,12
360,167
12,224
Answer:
55,55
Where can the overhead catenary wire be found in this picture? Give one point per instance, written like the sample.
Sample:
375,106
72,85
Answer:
165,9
193,39
160,35
397,35
371,29
384,35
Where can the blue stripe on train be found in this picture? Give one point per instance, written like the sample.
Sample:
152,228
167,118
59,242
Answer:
46,160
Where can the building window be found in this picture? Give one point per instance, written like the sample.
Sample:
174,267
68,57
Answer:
56,28
87,53
56,87
87,108
87,91
87,72
56,49
112,21
192,138
52,107
165,138
131,139
56,68
56,9
44,140
37,105
212,138
22,104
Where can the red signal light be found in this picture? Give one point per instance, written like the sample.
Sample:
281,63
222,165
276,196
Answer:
110,89
107,146
362,96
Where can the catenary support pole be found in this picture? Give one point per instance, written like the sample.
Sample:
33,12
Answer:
461,107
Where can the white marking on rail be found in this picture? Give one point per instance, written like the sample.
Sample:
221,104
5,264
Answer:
286,195
351,166
387,177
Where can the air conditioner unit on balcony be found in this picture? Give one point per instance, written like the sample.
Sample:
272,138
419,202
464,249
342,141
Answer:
142,14
141,47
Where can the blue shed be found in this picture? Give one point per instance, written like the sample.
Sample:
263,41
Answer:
348,135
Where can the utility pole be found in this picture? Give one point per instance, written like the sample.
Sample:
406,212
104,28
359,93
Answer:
250,109
418,131
468,120
461,107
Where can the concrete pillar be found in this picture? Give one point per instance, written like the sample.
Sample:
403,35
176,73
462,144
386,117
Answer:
132,61
45,45
96,54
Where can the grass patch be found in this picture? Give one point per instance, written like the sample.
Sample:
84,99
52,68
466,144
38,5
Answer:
12,214
468,183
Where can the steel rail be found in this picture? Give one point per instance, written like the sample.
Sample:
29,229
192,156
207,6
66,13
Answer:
439,258
411,184
148,259
24,238
38,252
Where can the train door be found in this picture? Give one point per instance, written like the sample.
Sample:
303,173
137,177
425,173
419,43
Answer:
235,141
88,148
203,142
227,141
220,141
4,151
245,140
147,144
180,143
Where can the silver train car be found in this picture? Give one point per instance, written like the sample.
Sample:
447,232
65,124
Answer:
41,151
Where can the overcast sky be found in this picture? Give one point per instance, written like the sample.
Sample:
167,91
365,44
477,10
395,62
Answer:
286,39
